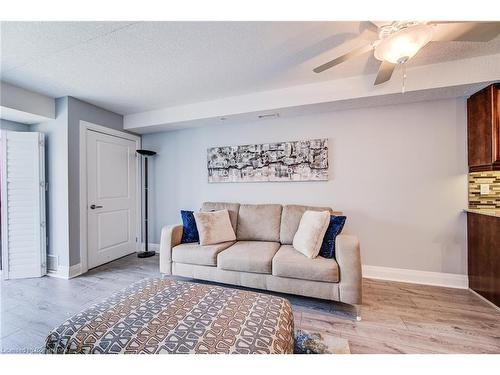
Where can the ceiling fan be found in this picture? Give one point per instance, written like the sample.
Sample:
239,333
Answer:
394,43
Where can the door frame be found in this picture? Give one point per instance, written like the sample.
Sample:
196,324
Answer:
84,127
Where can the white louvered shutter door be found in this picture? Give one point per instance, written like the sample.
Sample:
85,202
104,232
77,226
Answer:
23,205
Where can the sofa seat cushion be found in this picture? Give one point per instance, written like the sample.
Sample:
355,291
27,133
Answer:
288,262
248,256
193,253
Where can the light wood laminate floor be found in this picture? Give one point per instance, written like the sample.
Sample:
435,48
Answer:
397,317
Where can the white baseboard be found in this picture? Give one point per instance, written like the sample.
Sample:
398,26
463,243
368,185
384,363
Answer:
449,280
66,272
152,246
63,272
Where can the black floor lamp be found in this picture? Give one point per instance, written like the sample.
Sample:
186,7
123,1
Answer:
146,253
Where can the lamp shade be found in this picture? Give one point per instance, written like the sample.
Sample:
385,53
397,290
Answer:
404,44
146,152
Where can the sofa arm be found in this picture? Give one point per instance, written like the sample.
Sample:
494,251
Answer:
170,236
349,260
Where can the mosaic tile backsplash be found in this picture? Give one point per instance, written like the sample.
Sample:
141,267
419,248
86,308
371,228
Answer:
490,201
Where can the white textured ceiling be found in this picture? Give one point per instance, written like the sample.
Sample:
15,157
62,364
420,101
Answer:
130,67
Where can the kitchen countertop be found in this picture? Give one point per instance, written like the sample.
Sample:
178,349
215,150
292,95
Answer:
495,213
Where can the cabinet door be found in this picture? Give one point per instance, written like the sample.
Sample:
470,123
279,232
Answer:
496,126
479,126
483,238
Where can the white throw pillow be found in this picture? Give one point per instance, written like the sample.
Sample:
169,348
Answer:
312,229
214,227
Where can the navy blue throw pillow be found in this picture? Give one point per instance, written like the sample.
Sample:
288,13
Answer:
189,229
334,228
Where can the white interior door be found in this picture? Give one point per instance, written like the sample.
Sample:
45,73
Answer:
111,197
24,253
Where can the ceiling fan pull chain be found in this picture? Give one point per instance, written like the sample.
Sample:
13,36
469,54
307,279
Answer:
403,88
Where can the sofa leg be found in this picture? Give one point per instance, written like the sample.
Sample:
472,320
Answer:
357,308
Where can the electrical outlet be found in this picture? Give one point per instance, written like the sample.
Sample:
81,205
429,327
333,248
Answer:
484,189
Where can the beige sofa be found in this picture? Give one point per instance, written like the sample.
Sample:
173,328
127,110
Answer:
263,257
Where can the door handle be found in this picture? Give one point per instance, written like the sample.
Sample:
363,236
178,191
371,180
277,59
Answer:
93,206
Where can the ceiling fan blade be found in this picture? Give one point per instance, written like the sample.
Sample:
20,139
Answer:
370,34
384,72
349,55
369,28
379,24
466,31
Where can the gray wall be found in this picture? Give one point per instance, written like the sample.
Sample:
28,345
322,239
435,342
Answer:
26,101
398,172
81,111
56,170
12,125
62,165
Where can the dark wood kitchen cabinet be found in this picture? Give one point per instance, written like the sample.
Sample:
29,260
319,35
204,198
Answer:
483,237
483,129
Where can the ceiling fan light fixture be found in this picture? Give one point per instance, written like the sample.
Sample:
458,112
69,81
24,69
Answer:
401,46
399,41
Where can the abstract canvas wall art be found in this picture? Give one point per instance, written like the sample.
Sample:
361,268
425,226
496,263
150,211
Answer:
280,161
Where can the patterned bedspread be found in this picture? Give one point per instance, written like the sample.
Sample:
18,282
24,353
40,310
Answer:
166,316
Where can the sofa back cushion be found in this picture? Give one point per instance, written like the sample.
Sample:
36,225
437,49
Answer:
259,222
232,208
290,220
